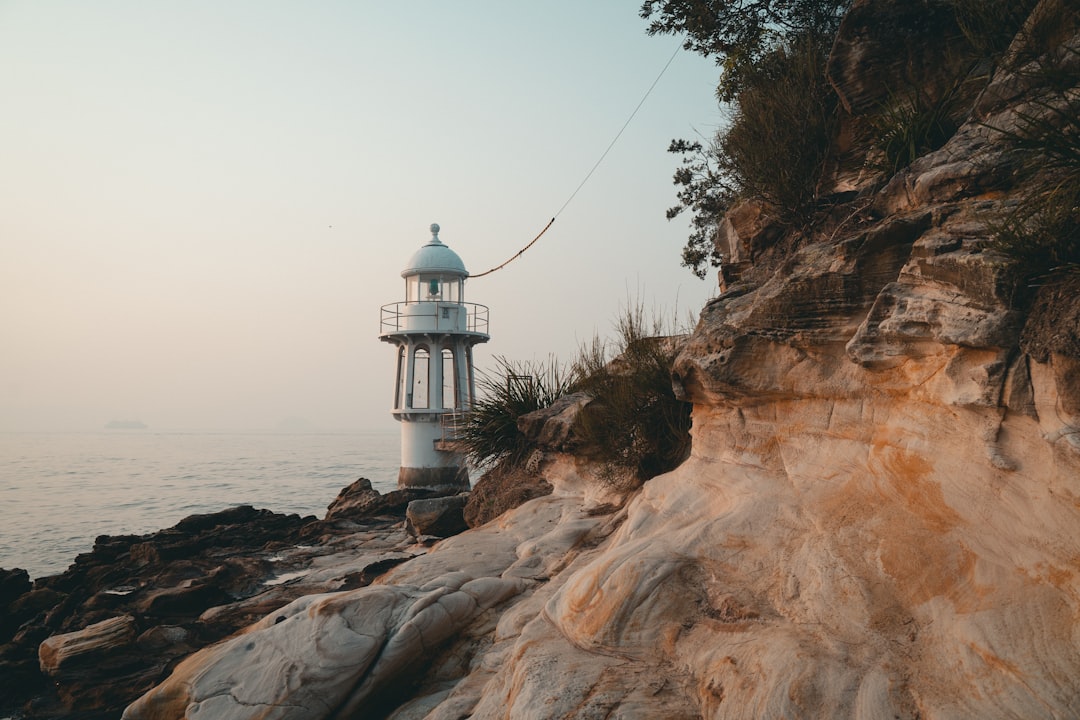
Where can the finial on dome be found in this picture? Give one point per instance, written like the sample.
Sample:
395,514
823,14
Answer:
435,233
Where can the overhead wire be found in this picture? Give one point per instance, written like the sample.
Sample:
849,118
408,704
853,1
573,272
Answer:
588,175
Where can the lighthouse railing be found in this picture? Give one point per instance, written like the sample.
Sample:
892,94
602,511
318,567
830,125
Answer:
452,424
399,316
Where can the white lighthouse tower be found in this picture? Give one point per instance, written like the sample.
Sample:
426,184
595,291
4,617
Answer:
434,331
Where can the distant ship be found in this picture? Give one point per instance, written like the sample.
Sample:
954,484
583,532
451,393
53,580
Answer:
126,425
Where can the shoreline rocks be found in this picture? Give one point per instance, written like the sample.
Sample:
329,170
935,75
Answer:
88,641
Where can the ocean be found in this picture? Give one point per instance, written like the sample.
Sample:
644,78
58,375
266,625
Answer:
59,491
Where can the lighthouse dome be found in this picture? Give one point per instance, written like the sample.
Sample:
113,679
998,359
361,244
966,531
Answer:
435,257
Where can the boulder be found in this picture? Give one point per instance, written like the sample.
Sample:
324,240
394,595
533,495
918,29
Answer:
552,428
359,500
14,584
887,47
87,646
438,517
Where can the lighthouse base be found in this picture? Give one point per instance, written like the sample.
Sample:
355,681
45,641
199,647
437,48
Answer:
445,480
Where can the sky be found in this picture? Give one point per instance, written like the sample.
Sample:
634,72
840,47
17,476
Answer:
204,204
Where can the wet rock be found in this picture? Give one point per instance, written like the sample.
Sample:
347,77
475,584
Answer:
187,600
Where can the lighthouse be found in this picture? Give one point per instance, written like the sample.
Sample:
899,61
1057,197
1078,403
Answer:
434,331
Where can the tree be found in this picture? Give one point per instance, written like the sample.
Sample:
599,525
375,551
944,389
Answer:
739,32
773,55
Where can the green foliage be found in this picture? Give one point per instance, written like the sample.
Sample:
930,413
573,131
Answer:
909,126
772,54
635,422
772,149
779,133
1041,232
706,191
513,389
739,33
990,25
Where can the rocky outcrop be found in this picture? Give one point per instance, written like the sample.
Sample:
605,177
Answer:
360,500
91,640
425,625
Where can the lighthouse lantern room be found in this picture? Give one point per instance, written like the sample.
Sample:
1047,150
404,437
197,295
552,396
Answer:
434,331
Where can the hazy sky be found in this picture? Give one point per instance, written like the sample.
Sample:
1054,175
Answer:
204,204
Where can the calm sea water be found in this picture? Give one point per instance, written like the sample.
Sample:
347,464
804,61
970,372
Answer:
60,491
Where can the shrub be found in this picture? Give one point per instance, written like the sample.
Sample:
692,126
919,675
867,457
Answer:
634,425
738,33
706,193
910,126
772,149
775,146
635,422
490,433
1040,233
991,25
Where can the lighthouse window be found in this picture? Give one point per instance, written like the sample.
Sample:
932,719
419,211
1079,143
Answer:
449,373
452,290
433,287
420,378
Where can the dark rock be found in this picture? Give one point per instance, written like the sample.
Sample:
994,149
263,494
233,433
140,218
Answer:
185,601
14,586
164,638
34,602
13,583
360,500
552,428
885,47
440,517
366,576
163,579
20,676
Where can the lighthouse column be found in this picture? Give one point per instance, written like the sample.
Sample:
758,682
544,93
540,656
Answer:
435,382
472,374
461,377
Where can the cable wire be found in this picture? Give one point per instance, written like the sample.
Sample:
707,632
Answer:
591,171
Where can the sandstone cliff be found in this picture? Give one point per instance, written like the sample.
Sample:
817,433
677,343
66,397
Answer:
880,516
